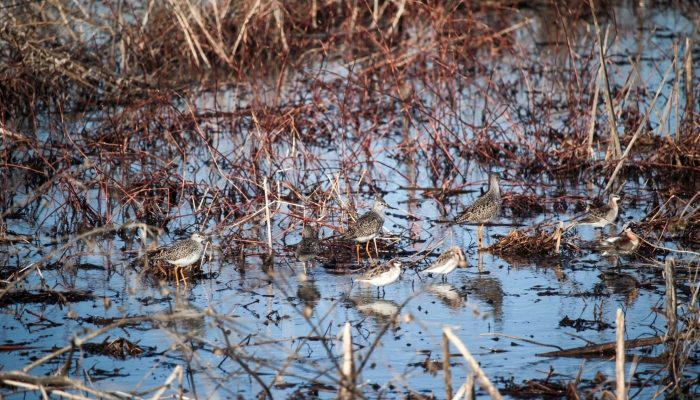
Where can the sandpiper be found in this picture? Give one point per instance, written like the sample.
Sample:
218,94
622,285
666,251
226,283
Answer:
624,244
679,223
308,248
485,208
184,253
382,275
605,215
447,262
368,227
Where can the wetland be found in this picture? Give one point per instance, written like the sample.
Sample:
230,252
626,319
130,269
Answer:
126,127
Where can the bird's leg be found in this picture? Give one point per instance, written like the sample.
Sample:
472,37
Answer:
177,279
479,237
184,280
304,264
376,250
358,254
369,254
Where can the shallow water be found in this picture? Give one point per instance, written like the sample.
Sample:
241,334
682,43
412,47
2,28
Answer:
269,315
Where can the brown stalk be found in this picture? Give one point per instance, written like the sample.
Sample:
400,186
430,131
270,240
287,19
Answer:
483,379
446,366
641,127
620,356
594,111
347,371
671,305
615,149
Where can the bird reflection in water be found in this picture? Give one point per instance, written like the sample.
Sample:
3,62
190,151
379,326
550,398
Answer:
448,295
309,295
489,290
187,319
380,310
617,283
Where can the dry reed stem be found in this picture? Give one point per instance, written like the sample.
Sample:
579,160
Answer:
34,194
689,93
446,366
268,218
195,46
652,245
467,388
47,384
614,138
594,111
176,374
631,78
218,47
558,234
671,307
483,379
347,376
641,127
620,356
469,392
279,20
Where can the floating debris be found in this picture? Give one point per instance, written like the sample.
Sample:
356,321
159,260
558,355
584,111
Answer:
45,297
534,242
118,348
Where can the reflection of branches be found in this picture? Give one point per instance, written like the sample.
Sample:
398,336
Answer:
381,333
35,265
314,330
77,341
232,352
44,385
36,193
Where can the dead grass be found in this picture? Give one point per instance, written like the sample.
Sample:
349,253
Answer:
534,242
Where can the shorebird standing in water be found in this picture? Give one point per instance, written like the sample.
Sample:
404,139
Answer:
184,253
447,262
485,208
368,227
309,247
603,216
382,275
624,244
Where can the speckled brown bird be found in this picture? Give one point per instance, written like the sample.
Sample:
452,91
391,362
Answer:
309,246
382,275
184,253
368,226
447,262
605,215
485,208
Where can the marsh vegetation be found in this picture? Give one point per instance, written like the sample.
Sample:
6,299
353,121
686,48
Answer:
128,126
